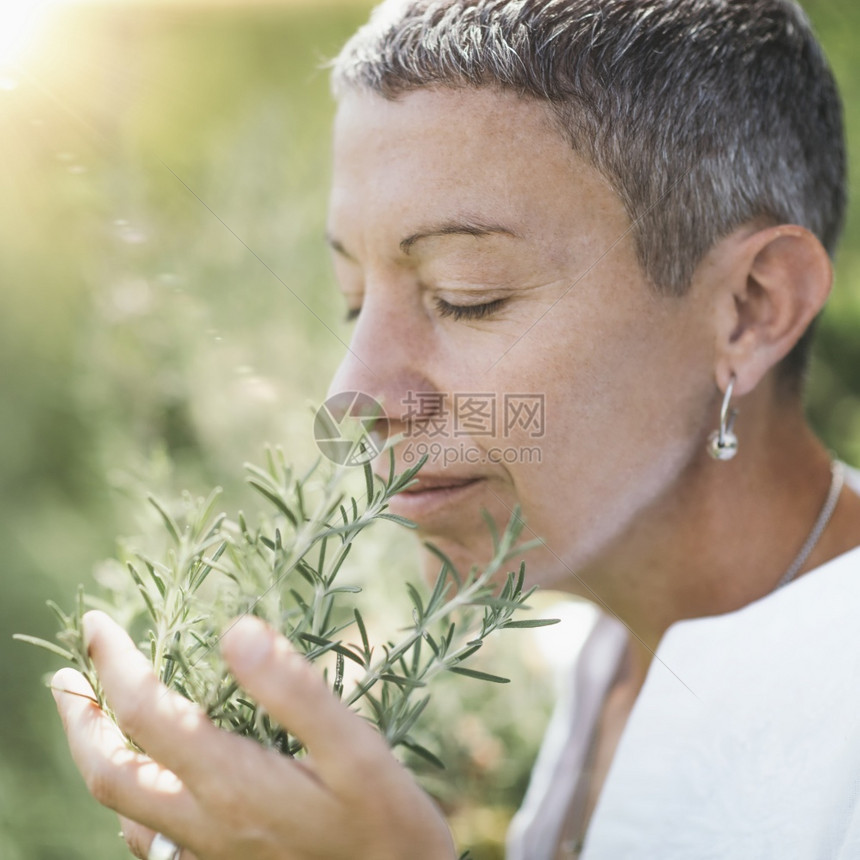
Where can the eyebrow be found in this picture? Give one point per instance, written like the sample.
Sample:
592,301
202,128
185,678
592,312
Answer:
449,228
456,228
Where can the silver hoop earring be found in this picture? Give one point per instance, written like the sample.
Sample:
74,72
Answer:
722,443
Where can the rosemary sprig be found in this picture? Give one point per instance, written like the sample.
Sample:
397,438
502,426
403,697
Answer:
285,570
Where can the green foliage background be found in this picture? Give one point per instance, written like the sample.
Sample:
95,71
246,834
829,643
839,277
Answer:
166,307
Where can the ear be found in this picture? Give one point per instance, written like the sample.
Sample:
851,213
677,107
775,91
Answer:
777,282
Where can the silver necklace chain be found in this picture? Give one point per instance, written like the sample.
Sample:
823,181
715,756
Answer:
837,480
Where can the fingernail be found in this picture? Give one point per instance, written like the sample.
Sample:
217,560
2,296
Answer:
249,643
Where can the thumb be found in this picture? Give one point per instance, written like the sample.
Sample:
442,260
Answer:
293,692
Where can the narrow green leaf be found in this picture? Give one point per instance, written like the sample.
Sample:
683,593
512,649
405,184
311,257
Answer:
321,557
169,522
363,633
415,597
432,643
480,676
471,648
270,462
317,640
391,467
339,560
401,521
407,477
141,587
451,569
449,636
375,706
44,643
440,589
491,525
533,622
159,582
275,499
521,577
300,501
307,573
423,752
300,601
401,680
65,620
205,511
346,651
412,716
368,482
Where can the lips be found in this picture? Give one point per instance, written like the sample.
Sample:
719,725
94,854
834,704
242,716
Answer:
429,483
432,497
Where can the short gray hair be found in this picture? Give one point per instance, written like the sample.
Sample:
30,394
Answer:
702,114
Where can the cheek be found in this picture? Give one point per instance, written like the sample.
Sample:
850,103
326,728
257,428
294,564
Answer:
625,410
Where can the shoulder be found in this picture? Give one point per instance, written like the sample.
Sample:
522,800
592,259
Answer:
746,730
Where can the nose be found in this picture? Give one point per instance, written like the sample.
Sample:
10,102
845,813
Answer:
389,358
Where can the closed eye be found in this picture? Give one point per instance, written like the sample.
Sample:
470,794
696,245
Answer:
468,312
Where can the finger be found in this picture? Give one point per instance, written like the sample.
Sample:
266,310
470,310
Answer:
344,746
139,839
169,728
177,734
118,777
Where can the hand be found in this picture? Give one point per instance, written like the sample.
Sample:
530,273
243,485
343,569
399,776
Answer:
223,797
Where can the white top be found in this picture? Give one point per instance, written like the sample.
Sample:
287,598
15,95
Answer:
743,742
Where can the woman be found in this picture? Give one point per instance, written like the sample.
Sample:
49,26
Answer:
625,209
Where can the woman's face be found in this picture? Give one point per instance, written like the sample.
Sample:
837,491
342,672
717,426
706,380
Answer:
505,324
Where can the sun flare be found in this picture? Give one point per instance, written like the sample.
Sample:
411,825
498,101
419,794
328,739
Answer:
20,21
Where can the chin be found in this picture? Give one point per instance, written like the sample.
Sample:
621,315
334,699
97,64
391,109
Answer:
461,533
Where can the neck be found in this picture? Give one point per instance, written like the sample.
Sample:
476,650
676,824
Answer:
725,533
